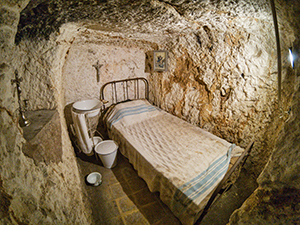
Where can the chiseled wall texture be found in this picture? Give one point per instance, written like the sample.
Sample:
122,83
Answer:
33,192
222,76
276,200
33,63
118,62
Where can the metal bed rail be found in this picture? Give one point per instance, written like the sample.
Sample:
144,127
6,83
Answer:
127,89
219,189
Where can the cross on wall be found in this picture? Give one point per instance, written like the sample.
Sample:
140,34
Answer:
97,67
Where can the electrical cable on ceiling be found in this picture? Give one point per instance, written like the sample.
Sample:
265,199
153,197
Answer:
278,49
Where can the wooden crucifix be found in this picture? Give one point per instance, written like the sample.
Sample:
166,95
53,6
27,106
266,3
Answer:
97,67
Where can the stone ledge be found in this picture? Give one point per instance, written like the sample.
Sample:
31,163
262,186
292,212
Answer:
43,137
38,119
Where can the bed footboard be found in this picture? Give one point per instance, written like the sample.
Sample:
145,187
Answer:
242,159
122,90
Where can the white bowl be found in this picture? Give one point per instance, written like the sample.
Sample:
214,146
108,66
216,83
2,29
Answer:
94,178
87,105
91,107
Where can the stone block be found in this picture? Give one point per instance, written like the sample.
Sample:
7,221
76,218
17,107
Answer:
8,17
43,137
7,37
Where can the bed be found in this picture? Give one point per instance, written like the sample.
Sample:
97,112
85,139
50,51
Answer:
187,165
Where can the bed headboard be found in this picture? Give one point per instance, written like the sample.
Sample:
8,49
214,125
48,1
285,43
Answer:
117,91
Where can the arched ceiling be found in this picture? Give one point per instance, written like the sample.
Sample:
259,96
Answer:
147,19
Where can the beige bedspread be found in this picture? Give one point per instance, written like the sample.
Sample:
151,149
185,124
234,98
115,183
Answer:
181,161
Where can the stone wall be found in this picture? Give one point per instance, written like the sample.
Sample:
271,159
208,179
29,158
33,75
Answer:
33,192
222,77
225,80
119,61
276,201
33,63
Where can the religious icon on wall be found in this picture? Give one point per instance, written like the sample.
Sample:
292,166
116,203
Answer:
160,60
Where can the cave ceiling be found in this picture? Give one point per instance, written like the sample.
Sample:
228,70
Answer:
151,20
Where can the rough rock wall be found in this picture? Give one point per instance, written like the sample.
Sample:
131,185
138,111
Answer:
276,201
33,63
120,59
223,77
32,194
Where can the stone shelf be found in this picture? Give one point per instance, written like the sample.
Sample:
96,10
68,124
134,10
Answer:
43,137
38,119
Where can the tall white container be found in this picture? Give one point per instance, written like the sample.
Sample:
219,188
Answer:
83,112
107,152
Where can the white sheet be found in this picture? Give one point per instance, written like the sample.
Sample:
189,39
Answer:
181,161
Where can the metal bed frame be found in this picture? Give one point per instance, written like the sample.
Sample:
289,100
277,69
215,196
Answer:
221,187
125,91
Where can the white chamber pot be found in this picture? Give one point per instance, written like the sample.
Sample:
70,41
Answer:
107,152
94,179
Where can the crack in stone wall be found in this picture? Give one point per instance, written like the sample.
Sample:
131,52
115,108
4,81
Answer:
5,200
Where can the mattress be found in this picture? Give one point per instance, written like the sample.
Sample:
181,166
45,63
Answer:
183,162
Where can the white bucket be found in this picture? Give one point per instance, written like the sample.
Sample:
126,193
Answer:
107,151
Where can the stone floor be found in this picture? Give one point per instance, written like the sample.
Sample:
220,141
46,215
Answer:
123,197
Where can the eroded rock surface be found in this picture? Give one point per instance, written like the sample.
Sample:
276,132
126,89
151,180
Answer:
222,76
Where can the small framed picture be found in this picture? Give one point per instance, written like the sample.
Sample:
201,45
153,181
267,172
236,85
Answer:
160,60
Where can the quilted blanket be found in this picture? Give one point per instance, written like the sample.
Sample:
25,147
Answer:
181,161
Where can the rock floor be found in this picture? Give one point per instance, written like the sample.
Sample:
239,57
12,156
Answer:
124,198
